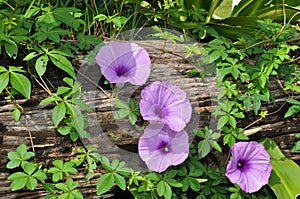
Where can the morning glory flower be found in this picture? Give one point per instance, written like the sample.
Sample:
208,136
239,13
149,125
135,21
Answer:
124,62
164,102
160,147
249,166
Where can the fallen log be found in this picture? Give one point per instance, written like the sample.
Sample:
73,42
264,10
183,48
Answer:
118,139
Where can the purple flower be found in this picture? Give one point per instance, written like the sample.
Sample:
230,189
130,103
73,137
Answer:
160,147
249,166
124,62
166,103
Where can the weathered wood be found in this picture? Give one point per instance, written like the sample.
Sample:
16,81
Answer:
117,138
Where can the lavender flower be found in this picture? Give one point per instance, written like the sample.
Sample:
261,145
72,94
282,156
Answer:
124,62
249,166
160,147
167,103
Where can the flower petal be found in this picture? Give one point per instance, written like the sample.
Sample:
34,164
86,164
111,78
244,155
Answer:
249,166
152,154
124,62
166,103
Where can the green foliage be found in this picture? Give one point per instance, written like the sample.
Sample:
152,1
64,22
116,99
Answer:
18,82
69,189
130,109
61,169
28,178
19,157
89,158
209,141
68,105
115,174
285,173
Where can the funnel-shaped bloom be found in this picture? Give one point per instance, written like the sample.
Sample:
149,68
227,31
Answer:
160,147
166,103
124,62
249,166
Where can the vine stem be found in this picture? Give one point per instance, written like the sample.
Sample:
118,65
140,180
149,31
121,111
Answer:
29,132
253,131
91,81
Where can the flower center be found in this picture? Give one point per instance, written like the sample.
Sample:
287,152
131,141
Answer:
121,71
159,111
164,147
241,164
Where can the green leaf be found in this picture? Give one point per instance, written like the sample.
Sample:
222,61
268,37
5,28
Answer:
4,79
63,63
30,56
120,104
19,180
16,114
161,188
203,148
40,175
50,99
31,183
120,180
121,113
21,84
232,121
40,65
58,113
19,157
222,122
49,187
11,49
105,183
292,111
29,167
132,118
285,173
194,184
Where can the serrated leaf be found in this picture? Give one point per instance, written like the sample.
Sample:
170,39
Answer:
120,180
21,84
63,63
58,113
105,183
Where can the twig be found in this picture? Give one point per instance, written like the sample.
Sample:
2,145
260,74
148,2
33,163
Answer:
29,132
91,81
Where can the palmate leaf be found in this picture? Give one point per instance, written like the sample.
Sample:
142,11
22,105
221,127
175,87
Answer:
285,176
